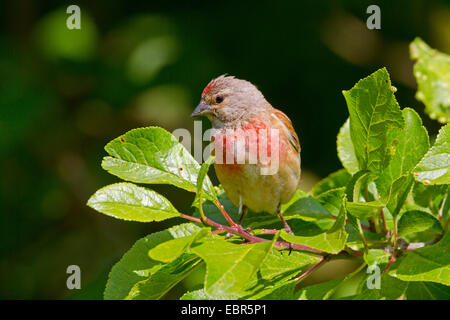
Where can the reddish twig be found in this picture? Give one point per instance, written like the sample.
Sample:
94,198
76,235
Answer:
225,214
383,220
252,239
391,260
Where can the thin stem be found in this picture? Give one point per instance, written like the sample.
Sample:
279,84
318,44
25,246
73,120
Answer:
268,231
253,239
361,233
391,260
202,214
443,205
383,220
395,233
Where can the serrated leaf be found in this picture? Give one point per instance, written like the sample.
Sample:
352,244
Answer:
335,180
135,265
170,250
164,279
434,168
229,266
432,72
430,263
331,241
129,202
374,112
395,182
345,149
418,221
154,156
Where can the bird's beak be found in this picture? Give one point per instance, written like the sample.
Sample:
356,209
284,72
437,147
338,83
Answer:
201,109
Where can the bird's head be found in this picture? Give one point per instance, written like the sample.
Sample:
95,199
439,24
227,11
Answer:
227,99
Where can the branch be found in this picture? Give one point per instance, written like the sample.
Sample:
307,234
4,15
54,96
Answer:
238,230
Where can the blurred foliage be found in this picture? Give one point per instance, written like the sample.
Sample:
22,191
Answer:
65,93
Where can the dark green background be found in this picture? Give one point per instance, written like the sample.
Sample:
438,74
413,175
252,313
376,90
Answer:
64,94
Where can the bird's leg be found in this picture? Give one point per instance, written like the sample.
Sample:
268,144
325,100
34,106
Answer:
286,226
242,212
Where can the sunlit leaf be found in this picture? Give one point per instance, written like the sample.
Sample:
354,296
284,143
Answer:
430,263
432,72
129,202
345,149
331,241
434,168
396,180
229,266
153,155
374,112
135,265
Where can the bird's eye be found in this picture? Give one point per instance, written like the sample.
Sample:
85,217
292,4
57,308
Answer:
219,99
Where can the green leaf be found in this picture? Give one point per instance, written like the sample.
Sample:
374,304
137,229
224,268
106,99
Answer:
430,263
305,206
390,289
364,210
427,291
321,291
331,200
434,168
374,112
356,183
335,180
353,194
135,265
345,149
395,182
230,266
418,221
279,264
170,250
432,72
430,196
331,241
164,279
201,294
153,155
129,202
275,279
376,256
327,290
